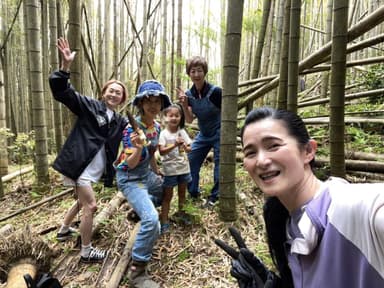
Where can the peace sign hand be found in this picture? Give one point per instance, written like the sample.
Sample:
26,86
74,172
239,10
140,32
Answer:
183,99
247,268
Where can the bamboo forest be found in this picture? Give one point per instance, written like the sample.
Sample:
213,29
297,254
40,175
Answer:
82,132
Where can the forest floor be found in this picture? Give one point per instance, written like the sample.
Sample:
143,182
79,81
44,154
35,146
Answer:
186,257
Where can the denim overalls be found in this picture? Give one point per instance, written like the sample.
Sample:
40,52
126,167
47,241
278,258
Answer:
143,190
209,121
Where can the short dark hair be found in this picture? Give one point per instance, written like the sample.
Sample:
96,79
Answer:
196,61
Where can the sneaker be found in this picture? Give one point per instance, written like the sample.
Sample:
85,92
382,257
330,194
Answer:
95,256
165,228
61,237
209,204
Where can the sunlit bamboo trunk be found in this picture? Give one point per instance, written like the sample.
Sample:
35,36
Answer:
37,93
54,64
227,165
337,93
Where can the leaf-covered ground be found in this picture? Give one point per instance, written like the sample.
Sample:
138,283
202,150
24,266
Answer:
186,257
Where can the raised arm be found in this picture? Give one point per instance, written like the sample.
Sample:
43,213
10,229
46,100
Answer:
67,56
184,103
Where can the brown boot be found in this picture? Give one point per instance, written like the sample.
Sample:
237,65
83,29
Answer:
138,276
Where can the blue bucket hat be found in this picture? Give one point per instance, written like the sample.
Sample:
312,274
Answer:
152,88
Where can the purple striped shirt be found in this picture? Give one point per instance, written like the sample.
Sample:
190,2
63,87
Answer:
337,239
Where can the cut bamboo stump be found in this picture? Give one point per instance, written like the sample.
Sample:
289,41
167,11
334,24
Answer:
23,253
16,275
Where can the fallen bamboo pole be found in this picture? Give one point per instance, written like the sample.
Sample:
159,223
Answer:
364,94
356,155
121,267
355,165
36,204
17,173
10,176
352,165
325,120
106,213
379,177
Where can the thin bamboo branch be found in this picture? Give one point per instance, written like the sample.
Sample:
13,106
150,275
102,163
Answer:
8,34
20,211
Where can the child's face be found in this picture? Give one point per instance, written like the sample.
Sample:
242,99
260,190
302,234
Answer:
273,159
113,96
151,105
173,117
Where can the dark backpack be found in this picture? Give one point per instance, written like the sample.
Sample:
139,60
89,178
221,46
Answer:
44,280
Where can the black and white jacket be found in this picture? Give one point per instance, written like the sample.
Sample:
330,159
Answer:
91,131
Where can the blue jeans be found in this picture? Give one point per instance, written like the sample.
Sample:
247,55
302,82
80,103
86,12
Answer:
143,195
200,148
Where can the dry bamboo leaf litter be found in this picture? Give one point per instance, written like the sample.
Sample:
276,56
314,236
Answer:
186,257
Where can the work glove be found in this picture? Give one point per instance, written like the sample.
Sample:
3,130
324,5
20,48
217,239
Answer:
247,268
45,280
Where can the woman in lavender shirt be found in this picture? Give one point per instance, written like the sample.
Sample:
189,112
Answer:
320,234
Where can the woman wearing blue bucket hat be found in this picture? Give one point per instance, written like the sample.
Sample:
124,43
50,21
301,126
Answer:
138,176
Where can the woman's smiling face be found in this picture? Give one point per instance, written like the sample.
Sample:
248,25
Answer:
272,157
197,74
113,95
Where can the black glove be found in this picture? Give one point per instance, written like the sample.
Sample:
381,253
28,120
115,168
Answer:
29,281
44,280
247,268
